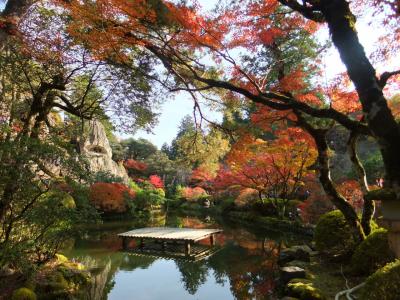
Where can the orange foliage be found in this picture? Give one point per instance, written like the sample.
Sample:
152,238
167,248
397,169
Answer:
110,197
271,167
351,190
193,194
135,165
317,202
202,178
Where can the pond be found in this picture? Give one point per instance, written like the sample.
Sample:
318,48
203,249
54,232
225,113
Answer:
244,267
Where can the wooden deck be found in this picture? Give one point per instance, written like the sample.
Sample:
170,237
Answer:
170,240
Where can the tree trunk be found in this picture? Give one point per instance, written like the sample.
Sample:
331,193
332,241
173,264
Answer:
11,15
369,205
377,114
336,198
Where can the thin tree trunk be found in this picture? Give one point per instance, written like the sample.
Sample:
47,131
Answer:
369,205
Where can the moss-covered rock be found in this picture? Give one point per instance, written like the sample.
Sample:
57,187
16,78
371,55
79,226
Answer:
61,258
304,290
297,263
23,294
383,284
373,253
65,280
333,236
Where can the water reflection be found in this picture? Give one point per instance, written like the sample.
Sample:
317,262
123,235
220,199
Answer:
244,268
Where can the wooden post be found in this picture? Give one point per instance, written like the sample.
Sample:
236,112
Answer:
125,242
187,247
212,240
141,244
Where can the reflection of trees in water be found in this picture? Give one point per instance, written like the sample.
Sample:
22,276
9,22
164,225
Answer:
100,284
250,274
193,274
131,262
103,270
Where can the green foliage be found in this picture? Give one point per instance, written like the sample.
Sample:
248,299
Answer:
42,216
80,193
159,163
226,204
102,176
383,284
373,253
333,236
149,197
139,149
23,294
134,186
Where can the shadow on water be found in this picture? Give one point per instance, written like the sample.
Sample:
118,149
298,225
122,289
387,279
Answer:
244,267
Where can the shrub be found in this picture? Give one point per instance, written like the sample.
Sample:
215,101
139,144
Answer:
65,199
134,186
148,198
159,192
383,284
156,181
373,253
111,197
107,177
193,194
226,204
333,236
23,294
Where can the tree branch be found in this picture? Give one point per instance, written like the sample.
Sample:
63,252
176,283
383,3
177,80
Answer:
386,76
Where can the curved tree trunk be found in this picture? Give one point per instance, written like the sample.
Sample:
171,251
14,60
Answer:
369,205
377,114
336,198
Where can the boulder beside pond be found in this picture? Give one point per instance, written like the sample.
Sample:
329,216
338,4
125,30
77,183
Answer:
303,289
302,253
288,273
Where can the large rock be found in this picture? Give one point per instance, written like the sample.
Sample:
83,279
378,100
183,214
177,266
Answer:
288,273
96,148
295,253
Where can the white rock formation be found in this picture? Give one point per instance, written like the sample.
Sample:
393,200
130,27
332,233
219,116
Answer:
96,148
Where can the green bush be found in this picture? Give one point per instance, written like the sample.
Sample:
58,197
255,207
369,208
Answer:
147,198
373,253
226,204
107,177
383,284
159,192
134,186
23,294
333,235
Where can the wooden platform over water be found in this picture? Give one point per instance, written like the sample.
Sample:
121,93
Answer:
170,241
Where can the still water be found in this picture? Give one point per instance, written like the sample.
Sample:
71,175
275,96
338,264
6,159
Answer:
244,267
